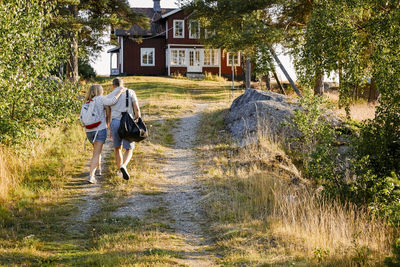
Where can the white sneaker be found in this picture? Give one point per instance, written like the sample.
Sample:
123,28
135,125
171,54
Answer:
92,180
98,172
119,174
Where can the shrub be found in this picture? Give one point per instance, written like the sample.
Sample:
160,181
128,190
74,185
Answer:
86,71
30,50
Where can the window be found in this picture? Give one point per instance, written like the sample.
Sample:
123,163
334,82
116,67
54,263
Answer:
114,60
194,29
208,33
178,57
233,56
179,29
147,56
211,57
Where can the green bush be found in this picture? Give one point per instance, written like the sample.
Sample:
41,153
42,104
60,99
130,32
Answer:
317,136
368,174
86,71
395,260
30,50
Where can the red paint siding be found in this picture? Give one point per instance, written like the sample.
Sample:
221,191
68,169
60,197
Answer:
132,58
181,70
213,70
179,16
227,70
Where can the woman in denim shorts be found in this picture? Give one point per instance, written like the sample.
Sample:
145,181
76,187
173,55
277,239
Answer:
97,136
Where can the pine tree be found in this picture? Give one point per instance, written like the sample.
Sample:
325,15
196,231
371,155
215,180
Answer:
84,23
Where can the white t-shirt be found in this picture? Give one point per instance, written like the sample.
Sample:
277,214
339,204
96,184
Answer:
120,105
102,102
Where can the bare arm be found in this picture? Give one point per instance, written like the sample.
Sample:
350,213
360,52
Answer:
136,109
108,116
108,119
109,101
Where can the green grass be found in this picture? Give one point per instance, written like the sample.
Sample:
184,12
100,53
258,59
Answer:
171,88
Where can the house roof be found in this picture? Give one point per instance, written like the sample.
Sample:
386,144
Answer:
114,50
173,11
155,27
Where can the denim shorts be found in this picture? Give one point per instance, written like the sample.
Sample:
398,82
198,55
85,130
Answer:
101,136
116,139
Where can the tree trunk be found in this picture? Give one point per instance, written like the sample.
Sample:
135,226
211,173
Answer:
319,83
248,73
268,82
373,92
72,64
279,83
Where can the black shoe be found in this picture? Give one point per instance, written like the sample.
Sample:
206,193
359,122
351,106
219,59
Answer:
125,173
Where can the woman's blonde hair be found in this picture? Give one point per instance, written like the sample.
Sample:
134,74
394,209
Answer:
94,90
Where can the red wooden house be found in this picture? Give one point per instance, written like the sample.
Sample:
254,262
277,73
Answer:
171,45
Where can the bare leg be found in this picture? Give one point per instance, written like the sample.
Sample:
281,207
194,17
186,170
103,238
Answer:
127,156
97,147
99,164
118,156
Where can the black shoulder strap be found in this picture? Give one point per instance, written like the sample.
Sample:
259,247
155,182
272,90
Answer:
127,99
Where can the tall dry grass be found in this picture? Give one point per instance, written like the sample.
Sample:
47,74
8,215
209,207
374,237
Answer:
5,180
359,111
258,185
350,235
43,164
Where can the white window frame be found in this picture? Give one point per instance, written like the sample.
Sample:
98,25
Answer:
180,57
191,36
238,59
213,55
147,50
183,28
208,33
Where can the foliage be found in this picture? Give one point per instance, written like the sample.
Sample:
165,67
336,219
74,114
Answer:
360,40
356,39
368,174
86,71
235,28
395,260
83,25
94,19
30,50
317,137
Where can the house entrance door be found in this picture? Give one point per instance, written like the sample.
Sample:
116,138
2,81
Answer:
194,61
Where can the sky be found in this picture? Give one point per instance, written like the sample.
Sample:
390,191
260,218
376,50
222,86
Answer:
102,63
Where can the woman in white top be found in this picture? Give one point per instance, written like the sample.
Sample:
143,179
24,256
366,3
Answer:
97,136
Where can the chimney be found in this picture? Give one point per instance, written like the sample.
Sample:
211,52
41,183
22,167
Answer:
157,6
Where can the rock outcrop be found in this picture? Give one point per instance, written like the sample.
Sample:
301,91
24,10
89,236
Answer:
261,113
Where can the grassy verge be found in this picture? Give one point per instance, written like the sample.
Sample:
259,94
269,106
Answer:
260,214
39,199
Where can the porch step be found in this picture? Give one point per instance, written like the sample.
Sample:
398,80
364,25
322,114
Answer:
195,75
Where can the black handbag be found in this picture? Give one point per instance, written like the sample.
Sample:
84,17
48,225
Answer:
130,129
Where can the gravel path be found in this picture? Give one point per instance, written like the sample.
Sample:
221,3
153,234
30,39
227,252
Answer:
183,191
180,194
91,200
